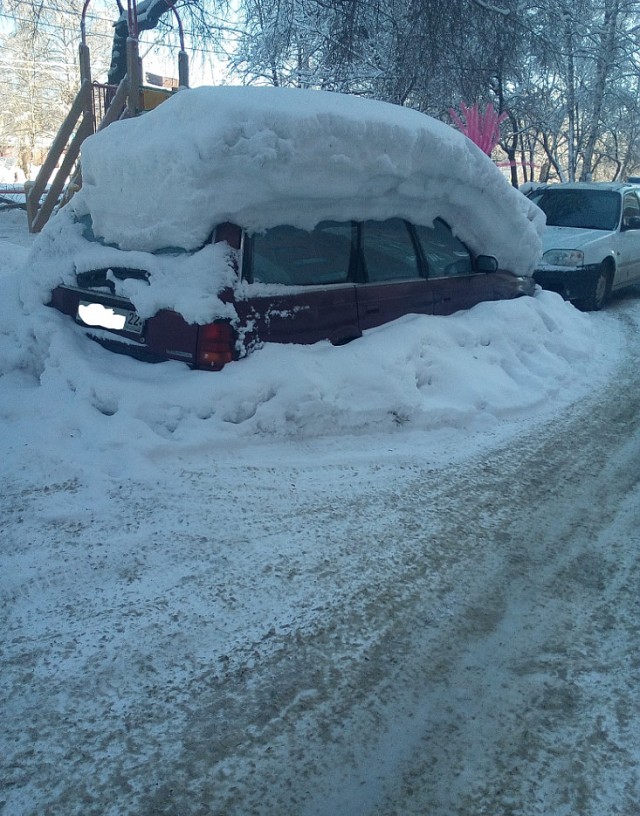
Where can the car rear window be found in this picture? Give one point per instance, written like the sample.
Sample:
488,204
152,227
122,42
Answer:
296,257
388,251
446,255
586,209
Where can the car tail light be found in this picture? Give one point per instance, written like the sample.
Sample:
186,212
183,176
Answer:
216,345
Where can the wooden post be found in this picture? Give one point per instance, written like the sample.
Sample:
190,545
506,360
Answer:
183,69
32,204
134,73
84,56
85,62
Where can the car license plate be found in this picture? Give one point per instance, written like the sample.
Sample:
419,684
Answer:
109,317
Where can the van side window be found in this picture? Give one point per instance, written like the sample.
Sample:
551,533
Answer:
388,251
445,255
299,258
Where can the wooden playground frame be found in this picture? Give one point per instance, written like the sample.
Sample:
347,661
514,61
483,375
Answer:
55,184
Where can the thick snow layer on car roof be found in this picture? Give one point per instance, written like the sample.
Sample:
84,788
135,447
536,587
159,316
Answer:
260,157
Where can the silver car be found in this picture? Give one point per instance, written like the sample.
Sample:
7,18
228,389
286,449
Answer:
591,244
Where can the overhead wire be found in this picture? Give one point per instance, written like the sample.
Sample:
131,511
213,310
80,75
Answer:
219,52
89,15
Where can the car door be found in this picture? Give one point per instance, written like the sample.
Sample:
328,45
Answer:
628,242
391,272
455,284
298,286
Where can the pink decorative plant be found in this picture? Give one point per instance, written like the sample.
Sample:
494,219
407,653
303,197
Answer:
482,128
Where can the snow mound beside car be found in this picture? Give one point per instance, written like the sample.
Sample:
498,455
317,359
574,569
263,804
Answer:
260,157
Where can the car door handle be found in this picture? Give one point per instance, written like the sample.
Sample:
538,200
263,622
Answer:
372,310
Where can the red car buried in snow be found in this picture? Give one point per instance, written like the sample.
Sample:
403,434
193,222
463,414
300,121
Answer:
293,220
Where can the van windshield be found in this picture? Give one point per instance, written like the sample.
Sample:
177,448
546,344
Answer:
586,209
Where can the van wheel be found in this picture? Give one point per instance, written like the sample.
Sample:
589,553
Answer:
600,291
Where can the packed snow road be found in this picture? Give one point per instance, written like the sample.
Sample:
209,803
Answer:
490,668
334,637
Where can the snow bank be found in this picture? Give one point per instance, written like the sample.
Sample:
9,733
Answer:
260,157
469,373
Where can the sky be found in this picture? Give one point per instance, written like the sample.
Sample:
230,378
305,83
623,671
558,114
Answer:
207,64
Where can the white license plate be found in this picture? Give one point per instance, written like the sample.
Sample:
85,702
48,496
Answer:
109,317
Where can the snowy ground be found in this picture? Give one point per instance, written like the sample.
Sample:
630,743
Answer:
172,539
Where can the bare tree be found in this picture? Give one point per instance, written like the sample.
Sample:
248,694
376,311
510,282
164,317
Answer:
42,75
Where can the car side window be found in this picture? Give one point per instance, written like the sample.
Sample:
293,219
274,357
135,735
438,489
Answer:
446,256
388,251
299,258
630,208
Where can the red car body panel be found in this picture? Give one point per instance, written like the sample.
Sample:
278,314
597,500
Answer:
326,313
380,303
